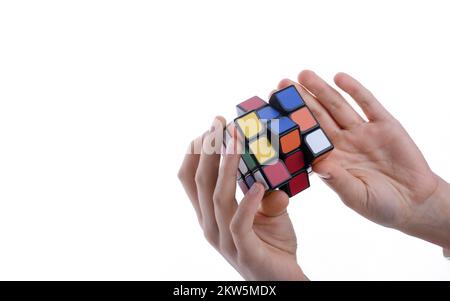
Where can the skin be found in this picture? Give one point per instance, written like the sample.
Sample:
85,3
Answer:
256,237
375,168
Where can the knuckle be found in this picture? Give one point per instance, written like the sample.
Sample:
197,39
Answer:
234,227
200,179
363,98
318,113
210,236
352,124
366,93
218,199
353,90
335,105
336,134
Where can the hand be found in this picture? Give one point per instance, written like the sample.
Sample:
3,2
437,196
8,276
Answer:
256,236
375,168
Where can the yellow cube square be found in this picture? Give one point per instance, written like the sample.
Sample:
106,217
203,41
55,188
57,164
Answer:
250,125
262,150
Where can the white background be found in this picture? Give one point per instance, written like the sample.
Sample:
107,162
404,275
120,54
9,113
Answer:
98,100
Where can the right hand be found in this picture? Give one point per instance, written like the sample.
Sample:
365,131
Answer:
376,168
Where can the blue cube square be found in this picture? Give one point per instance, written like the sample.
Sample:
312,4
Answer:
287,100
267,113
281,125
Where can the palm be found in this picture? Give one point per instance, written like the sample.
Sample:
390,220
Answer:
390,168
276,233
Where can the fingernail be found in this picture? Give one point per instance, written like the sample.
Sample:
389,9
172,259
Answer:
254,190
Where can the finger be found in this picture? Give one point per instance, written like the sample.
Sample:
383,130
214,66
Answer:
241,225
206,177
332,101
326,121
363,97
225,204
350,189
187,171
274,204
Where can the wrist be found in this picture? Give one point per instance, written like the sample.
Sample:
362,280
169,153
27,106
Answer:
430,220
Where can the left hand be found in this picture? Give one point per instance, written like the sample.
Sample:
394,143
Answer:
256,236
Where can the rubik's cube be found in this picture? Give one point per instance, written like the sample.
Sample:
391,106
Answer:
281,139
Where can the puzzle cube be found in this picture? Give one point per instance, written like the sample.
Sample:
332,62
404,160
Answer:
281,139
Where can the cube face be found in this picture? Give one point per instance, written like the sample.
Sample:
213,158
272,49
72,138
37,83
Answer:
249,161
286,133
297,184
287,100
281,141
243,169
317,144
290,141
249,125
295,161
262,150
272,176
260,178
304,119
249,180
267,113
250,104
282,125
276,174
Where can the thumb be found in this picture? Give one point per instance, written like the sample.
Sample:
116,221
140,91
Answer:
274,203
349,188
241,225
